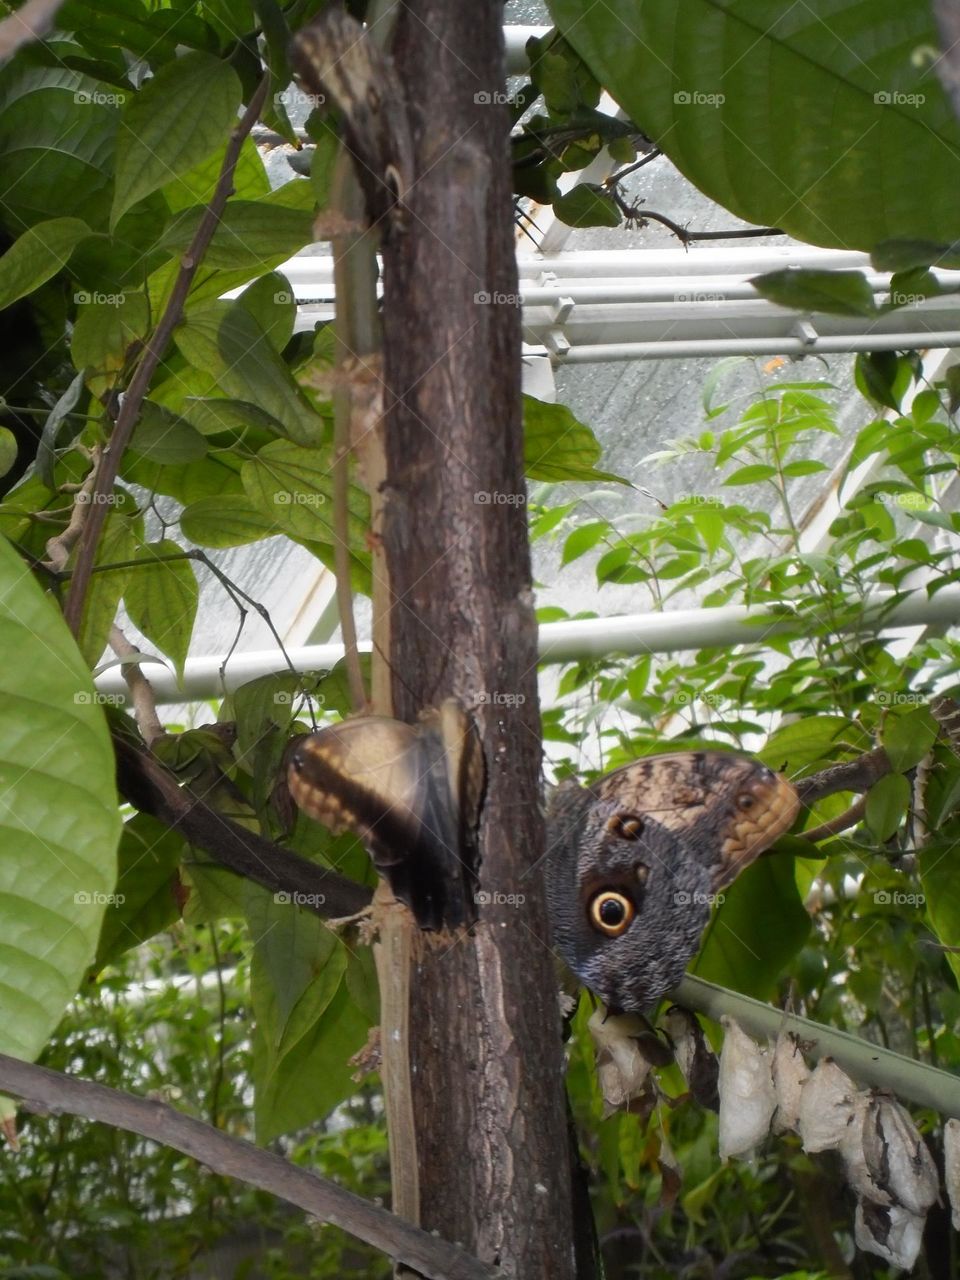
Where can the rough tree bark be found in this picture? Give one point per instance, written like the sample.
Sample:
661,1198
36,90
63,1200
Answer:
485,1032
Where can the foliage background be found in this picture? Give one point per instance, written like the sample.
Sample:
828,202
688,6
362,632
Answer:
106,170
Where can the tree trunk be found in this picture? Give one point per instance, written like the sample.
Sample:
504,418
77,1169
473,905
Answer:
493,1153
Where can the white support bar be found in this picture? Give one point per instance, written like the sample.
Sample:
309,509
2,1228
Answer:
516,39
660,304
676,631
710,348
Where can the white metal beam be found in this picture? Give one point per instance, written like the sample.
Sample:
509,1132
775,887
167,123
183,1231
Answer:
675,631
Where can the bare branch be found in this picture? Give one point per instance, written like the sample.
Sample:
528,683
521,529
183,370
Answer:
42,1090
145,782
636,215
852,775
141,690
58,548
849,818
153,351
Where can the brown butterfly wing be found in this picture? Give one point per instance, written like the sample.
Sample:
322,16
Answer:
660,837
411,793
729,808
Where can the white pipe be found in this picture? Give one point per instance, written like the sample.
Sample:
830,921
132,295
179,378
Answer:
771,345
516,39
676,631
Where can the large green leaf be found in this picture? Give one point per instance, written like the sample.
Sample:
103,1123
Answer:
147,885
252,234
37,255
756,930
161,598
227,341
307,1023
815,118
939,865
293,486
229,520
57,135
176,120
59,818
557,445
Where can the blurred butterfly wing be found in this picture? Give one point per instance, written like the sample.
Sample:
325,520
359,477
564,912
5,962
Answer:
364,776
729,808
393,785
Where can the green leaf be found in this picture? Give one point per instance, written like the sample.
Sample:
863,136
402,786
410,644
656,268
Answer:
907,738
887,802
322,1055
252,234
804,742
213,414
118,543
106,326
46,449
37,255
751,475
272,303
178,118
939,865
804,467
146,892
756,930
165,437
161,598
304,1014
819,121
228,520
842,293
322,165
884,377
587,205
557,446
226,341
294,487
8,450
583,539
59,815
908,255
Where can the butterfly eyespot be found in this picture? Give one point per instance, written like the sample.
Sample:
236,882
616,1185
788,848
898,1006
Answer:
611,912
745,800
626,826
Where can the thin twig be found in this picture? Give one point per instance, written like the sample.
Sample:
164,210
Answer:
633,213
45,1091
614,178
141,690
153,352
849,818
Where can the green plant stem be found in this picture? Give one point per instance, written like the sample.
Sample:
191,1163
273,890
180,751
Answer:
867,1063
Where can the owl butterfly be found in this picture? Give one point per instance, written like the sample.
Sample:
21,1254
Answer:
412,793
634,859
